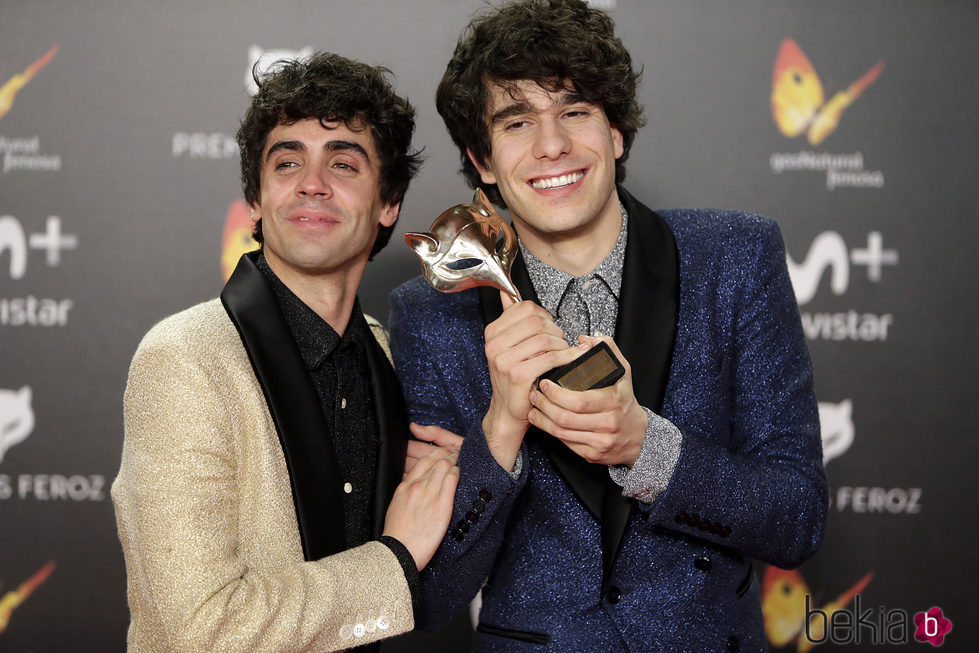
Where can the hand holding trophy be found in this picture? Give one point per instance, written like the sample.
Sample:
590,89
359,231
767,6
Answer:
471,245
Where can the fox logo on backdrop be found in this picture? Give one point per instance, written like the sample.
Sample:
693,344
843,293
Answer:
836,426
265,60
16,418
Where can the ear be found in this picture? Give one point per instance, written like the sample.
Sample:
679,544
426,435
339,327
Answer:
389,214
485,171
617,142
254,212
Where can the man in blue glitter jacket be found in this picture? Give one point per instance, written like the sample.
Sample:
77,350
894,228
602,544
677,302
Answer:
621,518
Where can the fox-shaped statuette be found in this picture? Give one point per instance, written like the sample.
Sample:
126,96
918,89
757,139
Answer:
463,248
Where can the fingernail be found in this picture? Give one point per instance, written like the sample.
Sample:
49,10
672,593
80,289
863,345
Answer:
545,385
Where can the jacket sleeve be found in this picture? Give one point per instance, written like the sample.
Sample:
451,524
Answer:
486,492
758,485
178,498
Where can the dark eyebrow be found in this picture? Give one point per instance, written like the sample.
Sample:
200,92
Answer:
509,111
348,146
517,108
294,146
330,146
573,98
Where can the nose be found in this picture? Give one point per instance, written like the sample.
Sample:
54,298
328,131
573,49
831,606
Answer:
314,183
551,140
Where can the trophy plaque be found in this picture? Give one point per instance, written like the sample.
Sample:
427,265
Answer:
471,245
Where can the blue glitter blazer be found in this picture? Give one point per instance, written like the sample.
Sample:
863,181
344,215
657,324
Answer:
709,322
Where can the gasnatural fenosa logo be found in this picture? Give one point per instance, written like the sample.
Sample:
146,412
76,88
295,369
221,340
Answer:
10,88
798,100
799,106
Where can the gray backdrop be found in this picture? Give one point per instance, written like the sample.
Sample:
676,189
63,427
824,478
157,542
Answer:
118,174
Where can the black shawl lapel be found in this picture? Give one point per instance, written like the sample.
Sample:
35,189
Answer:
645,332
295,407
649,302
392,429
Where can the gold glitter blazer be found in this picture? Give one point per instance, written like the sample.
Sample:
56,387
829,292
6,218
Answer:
232,528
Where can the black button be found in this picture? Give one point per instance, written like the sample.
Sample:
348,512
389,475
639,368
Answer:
614,594
478,506
485,495
458,535
472,517
733,645
703,563
464,526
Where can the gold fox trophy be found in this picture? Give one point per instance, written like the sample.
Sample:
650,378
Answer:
471,245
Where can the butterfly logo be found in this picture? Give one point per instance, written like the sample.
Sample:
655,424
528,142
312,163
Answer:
798,100
237,238
783,607
12,599
13,85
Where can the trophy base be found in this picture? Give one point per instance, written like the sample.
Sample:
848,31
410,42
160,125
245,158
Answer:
596,368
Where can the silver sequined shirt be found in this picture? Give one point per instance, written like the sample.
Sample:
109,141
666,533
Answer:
590,305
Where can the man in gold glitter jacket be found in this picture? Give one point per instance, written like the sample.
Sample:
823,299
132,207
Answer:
260,501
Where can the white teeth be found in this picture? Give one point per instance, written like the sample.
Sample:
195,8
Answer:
557,182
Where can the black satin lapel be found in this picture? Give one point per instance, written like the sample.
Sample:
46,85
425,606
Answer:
521,279
648,302
616,510
295,407
392,430
489,303
645,332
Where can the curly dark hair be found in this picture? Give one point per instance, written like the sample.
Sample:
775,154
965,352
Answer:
331,88
552,43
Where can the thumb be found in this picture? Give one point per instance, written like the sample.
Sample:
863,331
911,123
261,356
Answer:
506,300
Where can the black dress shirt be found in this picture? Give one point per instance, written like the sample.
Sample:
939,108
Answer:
338,367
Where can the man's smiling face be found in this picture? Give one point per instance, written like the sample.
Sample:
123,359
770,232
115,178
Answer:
320,204
553,159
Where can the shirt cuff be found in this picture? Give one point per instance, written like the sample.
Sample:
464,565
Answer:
653,469
517,466
401,552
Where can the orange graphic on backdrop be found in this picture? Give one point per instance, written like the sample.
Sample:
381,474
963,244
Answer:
12,600
13,85
783,606
237,238
798,99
